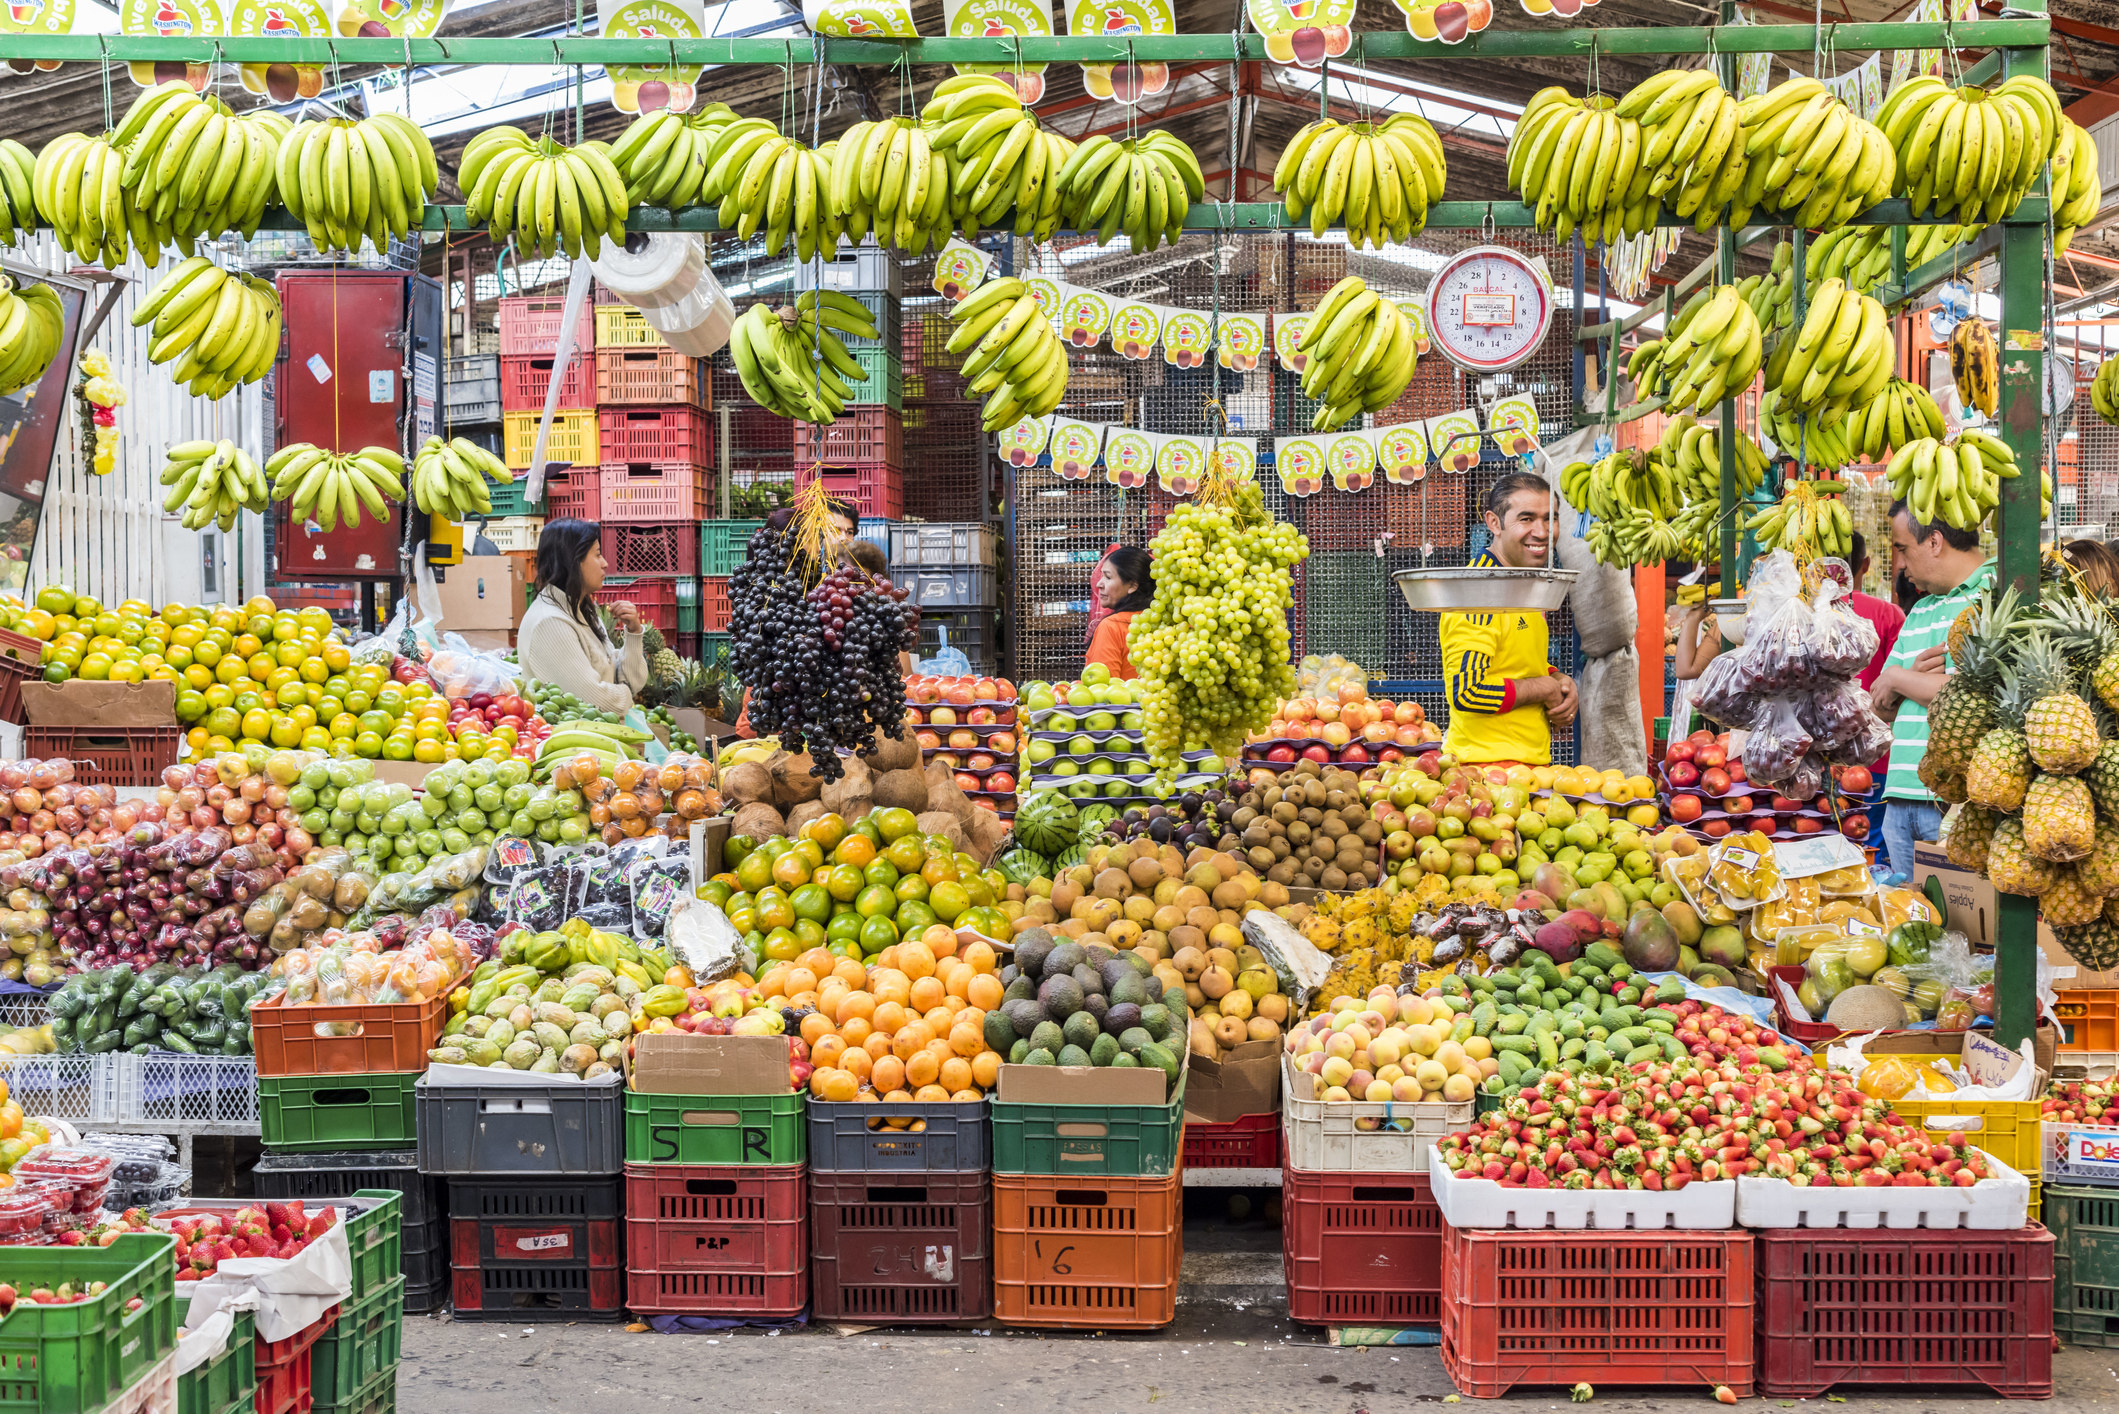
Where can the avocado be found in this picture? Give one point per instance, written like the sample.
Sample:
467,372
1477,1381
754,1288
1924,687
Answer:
1104,1051
1031,949
1073,1055
1133,1039
1096,1004
1060,997
1123,1017
1021,989
1063,958
1087,978
1018,1053
1040,1057
1096,955
1154,986
1155,1019
999,1031
1114,971
1158,1055
1009,973
1047,1036
1124,1062
1023,1016
1080,1030
1130,989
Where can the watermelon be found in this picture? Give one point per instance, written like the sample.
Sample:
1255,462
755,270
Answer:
1019,864
1073,855
1095,820
1046,821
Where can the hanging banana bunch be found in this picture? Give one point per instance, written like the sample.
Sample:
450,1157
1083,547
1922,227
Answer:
1712,347
1812,159
1105,174
1901,413
193,167
888,178
18,182
332,487
78,187
2078,192
662,155
222,327
1958,481
1362,353
1969,150
2104,390
1817,440
1975,365
1691,142
1011,354
349,180
455,478
1579,163
1000,158
801,378
1380,179
210,482
1693,451
552,198
1809,521
1841,357
32,330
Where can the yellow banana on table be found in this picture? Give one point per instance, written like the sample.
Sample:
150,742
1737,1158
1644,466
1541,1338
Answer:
192,167
763,182
1808,518
1362,353
1971,150
662,155
1691,145
1957,482
1975,365
799,375
1839,358
1379,179
2078,192
1011,355
454,477
1812,159
211,481
221,327
331,488
549,197
32,330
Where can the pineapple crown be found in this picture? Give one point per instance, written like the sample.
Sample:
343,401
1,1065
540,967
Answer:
2079,623
1979,659
2042,668
651,641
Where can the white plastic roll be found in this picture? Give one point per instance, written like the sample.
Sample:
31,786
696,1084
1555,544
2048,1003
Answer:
699,324
663,272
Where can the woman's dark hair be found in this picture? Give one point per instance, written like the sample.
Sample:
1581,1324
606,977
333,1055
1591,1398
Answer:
1131,564
2098,567
560,551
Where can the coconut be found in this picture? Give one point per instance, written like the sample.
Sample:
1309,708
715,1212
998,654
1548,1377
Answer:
985,830
792,782
802,814
759,821
944,794
884,754
900,790
1866,1008
747,783
941,822
849,795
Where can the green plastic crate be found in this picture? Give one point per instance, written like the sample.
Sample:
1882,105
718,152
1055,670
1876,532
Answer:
688,604
2085,1226
885,382
361,1346
1112,1141
65,1359
312,1114
513,499
375,1234
715,1129
228,1383
380,1397
725,544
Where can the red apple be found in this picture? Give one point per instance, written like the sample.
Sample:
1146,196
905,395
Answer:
959,692
1715,781
1737,804
1682,774
1807,826
1714,829
1000,780
1856,780
1280,753
1317,751
966,781
942,716
964,738
1763,821
1678,751
1855,827
1002,742
980,760
1389,755
1783,805
1712,754
1736,771
1354,755
981,717
1685,808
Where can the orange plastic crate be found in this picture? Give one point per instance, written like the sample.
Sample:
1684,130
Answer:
525,377
861,436
530,324
2089,1020
1087,1253
387,1038
655,434
651,376
714,604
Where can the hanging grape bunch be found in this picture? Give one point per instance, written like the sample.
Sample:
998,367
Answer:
1212,647
818,650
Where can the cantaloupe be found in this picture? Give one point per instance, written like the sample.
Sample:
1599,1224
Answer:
1866,1008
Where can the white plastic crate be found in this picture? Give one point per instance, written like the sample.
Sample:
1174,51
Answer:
80,1089
175,1093
154,1393
22,1009
1993,1204
943,546
1328,1137
472,392
866,267
1481,1202
510,533
2081,1153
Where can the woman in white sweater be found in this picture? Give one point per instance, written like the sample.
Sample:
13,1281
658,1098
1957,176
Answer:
561,641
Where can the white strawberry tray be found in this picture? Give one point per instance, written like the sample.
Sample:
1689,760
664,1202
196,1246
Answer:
1481,1202
1999,1203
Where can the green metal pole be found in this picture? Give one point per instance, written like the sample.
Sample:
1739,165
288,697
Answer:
1725,251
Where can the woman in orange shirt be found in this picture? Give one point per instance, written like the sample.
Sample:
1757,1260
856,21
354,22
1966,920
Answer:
1125,584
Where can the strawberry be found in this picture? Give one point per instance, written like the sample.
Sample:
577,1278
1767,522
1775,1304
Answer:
276,1214
321,1221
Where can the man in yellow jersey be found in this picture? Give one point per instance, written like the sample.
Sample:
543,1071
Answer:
1505,699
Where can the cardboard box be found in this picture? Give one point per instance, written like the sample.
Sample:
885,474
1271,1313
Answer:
100,704
410,773
1969,898
482,593
1983,1049
2068,974
1085,1085
489,640
679,1063
1245,1081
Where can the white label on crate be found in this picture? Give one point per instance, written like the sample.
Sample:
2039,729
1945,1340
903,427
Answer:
423,375
545,1242
318,369
382,385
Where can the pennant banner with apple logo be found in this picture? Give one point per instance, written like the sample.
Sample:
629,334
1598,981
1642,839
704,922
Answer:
1003,19
1304,32
280,19
1450,20
643,88
1122,19
36,17
170,19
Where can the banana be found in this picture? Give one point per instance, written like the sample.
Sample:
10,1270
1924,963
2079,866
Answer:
31,324
352,181
224,327
662,156
1975,365
554,199
1957,482
2104,390
452,478
211,481
1972,151
1361,351
1379,179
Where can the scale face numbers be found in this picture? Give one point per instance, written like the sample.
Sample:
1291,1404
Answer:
1489,308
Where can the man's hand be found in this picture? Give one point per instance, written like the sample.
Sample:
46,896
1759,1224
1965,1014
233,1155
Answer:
627,614
1560,714
1885,697
1933,660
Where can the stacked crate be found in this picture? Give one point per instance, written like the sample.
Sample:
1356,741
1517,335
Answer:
423,1215
470,401
953,573
900,1215
861,456
529,346
656,484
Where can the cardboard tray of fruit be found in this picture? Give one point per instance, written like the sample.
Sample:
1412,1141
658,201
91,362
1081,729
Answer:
1996,1204
1481,1202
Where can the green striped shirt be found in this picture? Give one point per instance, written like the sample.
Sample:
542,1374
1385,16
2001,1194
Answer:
1927,626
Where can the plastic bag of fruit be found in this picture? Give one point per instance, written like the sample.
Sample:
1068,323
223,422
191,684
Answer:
1841,642
1774,752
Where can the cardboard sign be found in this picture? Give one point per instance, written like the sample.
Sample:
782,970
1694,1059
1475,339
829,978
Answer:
637,88
1303,32
1115,19
1129,457
79,703
1351,455
1025,442
1288,330
1180,464
1402,452
1187,334
393,19
1235,459
1002,19
170,19
1084,316
280,19
679,1063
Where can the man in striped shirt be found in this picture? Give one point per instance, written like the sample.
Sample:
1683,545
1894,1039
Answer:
1944,563
1505,699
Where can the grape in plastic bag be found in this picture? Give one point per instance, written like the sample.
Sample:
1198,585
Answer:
1777,744
657,885
1721,695
543,898
1841,642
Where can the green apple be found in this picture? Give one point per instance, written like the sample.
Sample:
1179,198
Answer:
1100,721
1131,721
1040,750
1082,696
1066,767
1096,674
1080,746
1061,722
1103,766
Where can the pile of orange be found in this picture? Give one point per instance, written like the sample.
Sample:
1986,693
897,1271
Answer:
909,1026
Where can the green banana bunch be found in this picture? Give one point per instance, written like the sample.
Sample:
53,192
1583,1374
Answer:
1693,451
1144,188
889,178
78,189
1362,353
1840,358
332,487
1957,482
552,198
1011,354
2078,192
1818,440
1811,158
455,478
18,201
1635,538
1970,150
1379,179
1900,413
32,326
804,379
1691,142
1695,527
1579,163
1809,518
662,155
1713,346
223,328
194,168
999,158
210,482
833,310
2104,390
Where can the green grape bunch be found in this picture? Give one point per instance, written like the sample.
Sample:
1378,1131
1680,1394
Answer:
1212,647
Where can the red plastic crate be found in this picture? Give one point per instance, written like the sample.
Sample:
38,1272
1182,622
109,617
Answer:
1087,1253
107,756
475,1242
655,434
1252,1142
346,1039
901,1248
656,491
714,608
568,1291
1617,1308
860,436
576,495
873,490
529,324
1905,1306
655,598
2089,1020
669,548
21,658
651,376
283,1368
1811,1033
523,378
760,431
1361,1248
717,1239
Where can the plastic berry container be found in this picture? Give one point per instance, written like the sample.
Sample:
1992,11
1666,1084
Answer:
23,1214
69,1164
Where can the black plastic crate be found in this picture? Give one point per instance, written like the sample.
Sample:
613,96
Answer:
952,1137
540,1131
537,1250
425,1225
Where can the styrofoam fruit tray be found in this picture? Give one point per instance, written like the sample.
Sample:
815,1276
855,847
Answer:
1481,1202
1997,1204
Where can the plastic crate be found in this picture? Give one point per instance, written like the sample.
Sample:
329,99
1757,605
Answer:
650,377
1811,1033
855,268
286,1371
944,546
573,439
931,1136
1326,1137
714,1129
179,1092
512,534
2089,1021
1617,1308
1252,1142
394,1036
564,1247
671,547
153,1393
2010,1130
973,632
127,757
655,434
423,1211
380,1397
575,495
656,491
1361,1249
315,1114
64,1359
15,671
2085,1227
80,1089
374,1223
362,1344
544,1131
1844,1306
717,1239
227,1383
713,609
901,1249
530,324
1120,1141
472,391
655,598
725,544
874,490
620,326
963,587
860,436
885,383
1094,1253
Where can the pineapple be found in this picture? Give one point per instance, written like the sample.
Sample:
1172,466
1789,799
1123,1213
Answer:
2069,902
1966,832
2102,777
666,666
1945,785
2058,725
2095,945
2100,871
1964,711
2087,635
2059,820
2000,769
2011,866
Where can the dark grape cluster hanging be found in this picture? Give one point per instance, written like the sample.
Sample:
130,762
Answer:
821,661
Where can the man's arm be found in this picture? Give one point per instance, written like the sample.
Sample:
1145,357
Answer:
1469,642
1919,683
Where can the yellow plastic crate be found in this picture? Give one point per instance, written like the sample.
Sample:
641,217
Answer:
2011,1130
574,438
622,326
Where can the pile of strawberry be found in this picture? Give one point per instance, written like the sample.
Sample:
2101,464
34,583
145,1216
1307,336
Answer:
205,1240
2082,1101
1660,1127
1709,1033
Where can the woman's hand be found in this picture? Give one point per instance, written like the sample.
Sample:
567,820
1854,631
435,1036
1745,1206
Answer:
627,614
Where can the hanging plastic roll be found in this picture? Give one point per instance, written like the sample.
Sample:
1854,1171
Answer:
668,281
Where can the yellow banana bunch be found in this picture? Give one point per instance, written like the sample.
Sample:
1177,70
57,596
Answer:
1011,353
1693,451
1579,163
332,487
455,478
1818,440
1635,538
1900,413
1811,158
2078,192
32,323
348,180
1841,357
2104,390
210,482
998,158
762,181
1143,188
662,155
1956,482
222,328
889,178
18,200
78,189
1362,353
1859,255
1692,145
1967,149
1808,519
1379,179
1975,365
1712,347
552,198
194,168
801,378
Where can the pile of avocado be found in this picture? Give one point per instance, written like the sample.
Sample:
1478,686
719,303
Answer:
1070,1004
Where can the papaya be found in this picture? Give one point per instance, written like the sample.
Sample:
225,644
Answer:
547,1063
521,1053
663,1001
501,1033
448,1055
521,975
587,1031
638,975
558,1013
547,952
579,998
577,1058
589,974
481,1051
550,1037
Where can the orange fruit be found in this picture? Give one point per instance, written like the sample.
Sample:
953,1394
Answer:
981,957
965,1041
850,970
816,960
815,1027
984,991
912,1036
888,1075
858,1062
889,1017
825,1051
926,994
985,1069
799,979
916,959
938,1020
856,1030
970,1016
773,983
921,1069
854,1004
877,1045
955,1074
967,1097
931,1095
890,985
842,1087
940,939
